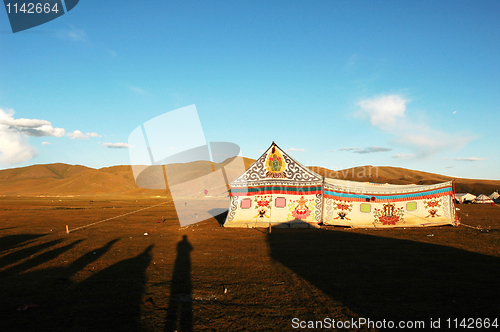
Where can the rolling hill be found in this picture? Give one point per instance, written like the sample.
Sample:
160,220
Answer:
397,175
62,179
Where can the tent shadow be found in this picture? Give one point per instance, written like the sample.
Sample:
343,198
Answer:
384,278
220,215
295,223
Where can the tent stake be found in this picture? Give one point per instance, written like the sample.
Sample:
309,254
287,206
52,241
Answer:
67,229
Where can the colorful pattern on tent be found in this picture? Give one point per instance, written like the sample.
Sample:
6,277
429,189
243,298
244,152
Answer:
344,207
391,197
389,215
432,207
263,205
301,208
267,190
275,165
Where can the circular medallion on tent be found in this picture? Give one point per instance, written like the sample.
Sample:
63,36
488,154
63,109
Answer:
275,164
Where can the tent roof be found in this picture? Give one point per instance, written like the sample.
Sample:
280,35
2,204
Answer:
375,188
494,195
275,166
483,198
460,195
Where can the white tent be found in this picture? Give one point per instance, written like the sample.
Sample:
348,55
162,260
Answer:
357,204
277,190
461,197
494,195
483,199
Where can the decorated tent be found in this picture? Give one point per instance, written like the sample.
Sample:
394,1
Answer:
358,204
483,199
462,197
275,190
279,191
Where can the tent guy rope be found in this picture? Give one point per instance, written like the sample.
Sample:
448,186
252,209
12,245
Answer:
149,207
121,215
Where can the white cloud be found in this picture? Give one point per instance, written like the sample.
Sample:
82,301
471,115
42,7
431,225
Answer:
469,159
294,150
372,149
403,155
77,134
388,113
349,149
138,90
117,145
45,143
384,111
73,34
14,136
29,127
426,141
14,146
454,112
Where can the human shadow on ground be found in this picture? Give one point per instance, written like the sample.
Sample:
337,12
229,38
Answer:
34,259
109,299
16,240
180,309
87,259
384,278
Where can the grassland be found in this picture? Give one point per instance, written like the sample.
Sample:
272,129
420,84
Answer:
111,276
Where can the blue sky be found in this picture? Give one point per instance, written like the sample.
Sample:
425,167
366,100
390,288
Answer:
336,83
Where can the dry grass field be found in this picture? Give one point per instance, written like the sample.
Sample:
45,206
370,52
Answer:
113,277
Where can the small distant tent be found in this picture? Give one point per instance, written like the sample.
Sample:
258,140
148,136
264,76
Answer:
483,199
494,195
461,197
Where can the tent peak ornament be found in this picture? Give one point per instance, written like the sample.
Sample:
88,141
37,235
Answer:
275,164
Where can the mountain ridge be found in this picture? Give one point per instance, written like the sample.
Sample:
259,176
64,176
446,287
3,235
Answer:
65,179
